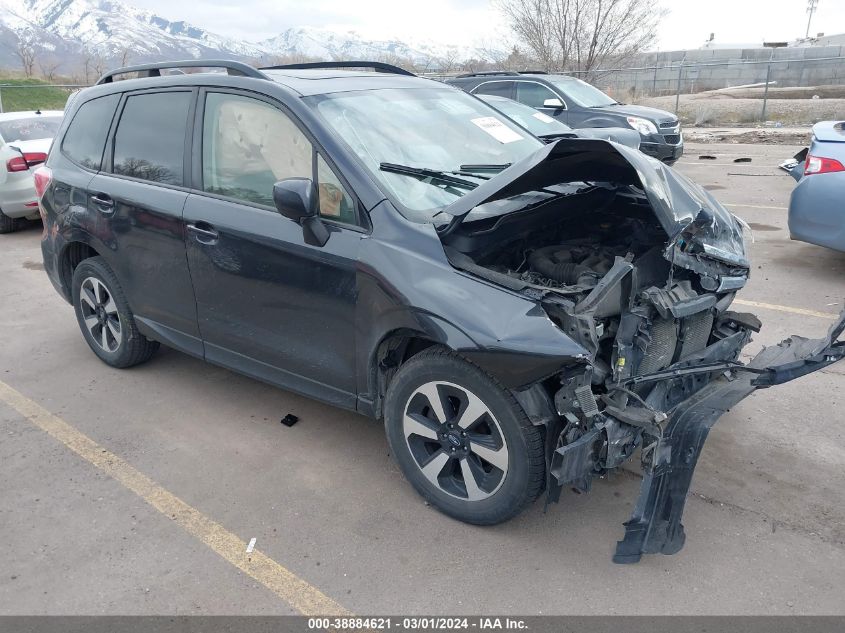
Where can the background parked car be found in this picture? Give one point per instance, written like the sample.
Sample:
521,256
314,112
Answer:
549,129
815,208
580,105
25,139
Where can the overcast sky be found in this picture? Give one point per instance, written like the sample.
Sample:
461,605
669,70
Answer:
475,22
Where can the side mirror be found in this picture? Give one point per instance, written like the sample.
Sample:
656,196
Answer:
297,199
553,103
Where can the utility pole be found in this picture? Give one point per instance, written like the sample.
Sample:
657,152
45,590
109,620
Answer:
812,5
773,46
678,91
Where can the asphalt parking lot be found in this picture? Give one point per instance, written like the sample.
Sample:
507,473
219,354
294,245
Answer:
139,493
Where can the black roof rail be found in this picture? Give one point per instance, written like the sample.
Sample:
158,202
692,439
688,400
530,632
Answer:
154,69
533,72
485,73
379,67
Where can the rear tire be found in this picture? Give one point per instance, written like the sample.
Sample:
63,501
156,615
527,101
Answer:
7,224
104,316
462,440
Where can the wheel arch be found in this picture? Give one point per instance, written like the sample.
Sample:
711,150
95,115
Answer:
73,253
394,349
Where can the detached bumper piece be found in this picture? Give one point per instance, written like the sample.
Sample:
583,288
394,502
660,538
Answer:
655,525
672,442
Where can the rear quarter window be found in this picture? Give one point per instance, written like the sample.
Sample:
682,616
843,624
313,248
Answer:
85,138
495,88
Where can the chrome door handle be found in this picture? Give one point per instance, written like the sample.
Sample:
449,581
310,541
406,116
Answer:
103,201
203,232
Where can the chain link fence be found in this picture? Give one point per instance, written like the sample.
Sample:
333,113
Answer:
764,86
703,90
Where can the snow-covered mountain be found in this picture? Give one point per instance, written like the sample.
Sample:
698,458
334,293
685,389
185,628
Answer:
70,30
328,44
110,27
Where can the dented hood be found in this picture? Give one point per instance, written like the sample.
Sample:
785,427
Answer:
688,213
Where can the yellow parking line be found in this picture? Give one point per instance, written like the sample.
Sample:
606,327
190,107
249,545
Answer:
754,206
302,596
790,309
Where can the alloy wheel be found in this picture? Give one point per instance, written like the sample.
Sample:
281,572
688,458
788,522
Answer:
455,440
99,312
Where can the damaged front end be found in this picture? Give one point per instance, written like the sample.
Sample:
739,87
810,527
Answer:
639,266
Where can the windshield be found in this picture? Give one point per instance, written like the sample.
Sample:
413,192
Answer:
583,93
30,129
537,123
438,129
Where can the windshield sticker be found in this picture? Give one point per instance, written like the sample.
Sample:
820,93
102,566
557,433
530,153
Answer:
543,117
498,130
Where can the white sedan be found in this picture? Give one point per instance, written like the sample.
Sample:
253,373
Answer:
25,139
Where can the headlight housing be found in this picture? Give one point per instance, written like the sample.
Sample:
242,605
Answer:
643,126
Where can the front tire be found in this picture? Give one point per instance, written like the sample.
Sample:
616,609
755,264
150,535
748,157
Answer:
462,440
104,316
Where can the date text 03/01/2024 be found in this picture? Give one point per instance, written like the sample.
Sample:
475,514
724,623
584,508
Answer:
415,623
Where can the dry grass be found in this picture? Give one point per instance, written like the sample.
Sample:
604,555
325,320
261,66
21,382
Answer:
716,109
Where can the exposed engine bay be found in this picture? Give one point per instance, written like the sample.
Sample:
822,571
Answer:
604,278
651,306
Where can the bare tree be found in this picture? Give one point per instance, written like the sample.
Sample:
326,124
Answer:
27,53
94,64
448,62
506,58
290,58
396,60
125,56
517,60
425,65
87,55
48,68
98,65
583,35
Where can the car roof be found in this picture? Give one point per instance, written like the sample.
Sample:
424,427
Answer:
484,77
304,82
309,82
30,114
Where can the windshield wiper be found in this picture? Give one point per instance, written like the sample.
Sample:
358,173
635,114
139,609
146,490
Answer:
424,173
557,135
484,167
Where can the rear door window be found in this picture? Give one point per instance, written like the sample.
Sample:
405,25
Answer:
533,94
85,138
149,143
495,88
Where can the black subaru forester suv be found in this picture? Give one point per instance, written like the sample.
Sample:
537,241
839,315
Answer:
580,105
522,316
